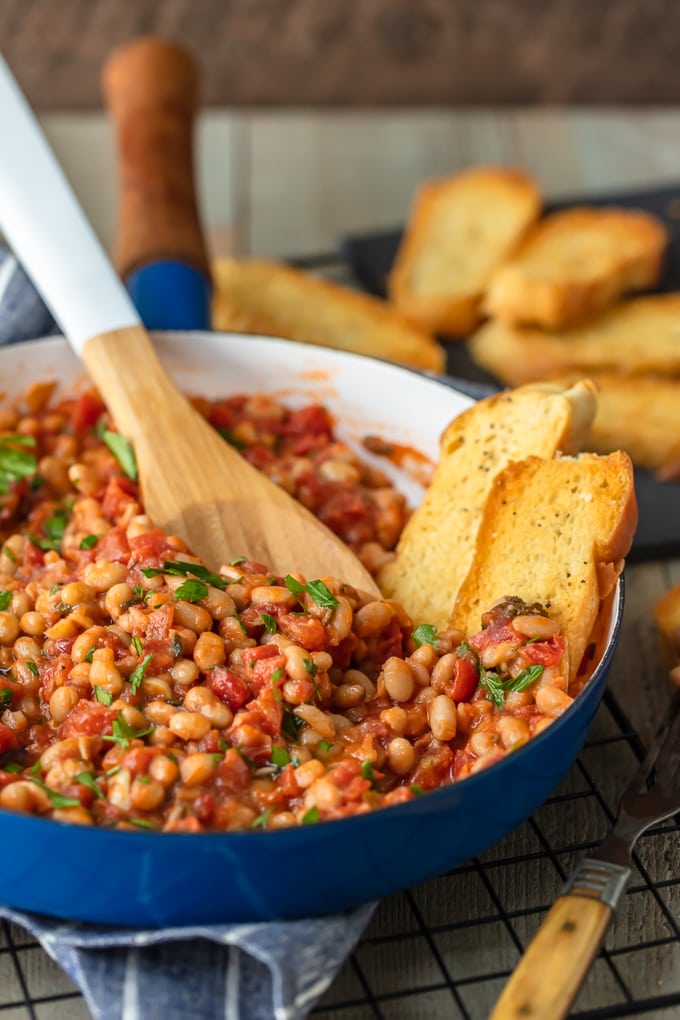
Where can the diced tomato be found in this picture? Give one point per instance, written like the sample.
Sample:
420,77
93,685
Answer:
53,673
228,686
233,774
113,545
86,412
287,783
9,740
304,630
266,712
493,635
204,806
546,653
120,493
264,670
258,456
88,718
150,548
312,418
160,622
221,416
465,680
434,768
138,759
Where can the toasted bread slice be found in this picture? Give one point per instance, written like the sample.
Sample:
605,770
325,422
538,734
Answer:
273,299
667,615
636,337
437,545
638,414
460,229
575,263
555,532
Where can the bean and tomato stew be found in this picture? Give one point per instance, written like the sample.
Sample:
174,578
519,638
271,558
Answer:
141,689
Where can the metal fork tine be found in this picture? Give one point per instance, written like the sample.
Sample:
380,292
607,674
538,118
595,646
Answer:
661,765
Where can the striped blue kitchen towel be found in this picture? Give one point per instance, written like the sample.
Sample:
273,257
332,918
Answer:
268,971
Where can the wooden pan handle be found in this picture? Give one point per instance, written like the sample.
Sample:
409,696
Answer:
549,975
151,90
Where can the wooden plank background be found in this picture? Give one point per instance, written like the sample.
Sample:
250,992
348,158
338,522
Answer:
361,52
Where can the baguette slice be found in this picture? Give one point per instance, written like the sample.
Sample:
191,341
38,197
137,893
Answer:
575,263
273,299
437,545
636,337
460,229
554,532
667,615
638,414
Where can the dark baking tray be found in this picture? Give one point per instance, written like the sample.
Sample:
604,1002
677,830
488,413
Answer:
370,256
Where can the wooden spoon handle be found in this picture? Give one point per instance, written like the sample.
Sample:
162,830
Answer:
549,975
151,90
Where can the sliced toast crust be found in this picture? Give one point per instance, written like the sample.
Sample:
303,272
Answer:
438,543
254,296
637,337
575,263
460,229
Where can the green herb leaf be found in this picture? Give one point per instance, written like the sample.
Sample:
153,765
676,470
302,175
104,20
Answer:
367,771
89,541
311,816
293,586
16,460
180,568
321,594
6,551
114,770
525,679
122,451
88,780
235,563
416,790
58,800
5,600
249,761
425,634
123,733
276,675
31,666
136,643
280,757
325,745
494,685
269,623
5,698
291,724
12,766
54,528
238,444
138,673
191,591
151,571
90,655
311,667
142,823
262,820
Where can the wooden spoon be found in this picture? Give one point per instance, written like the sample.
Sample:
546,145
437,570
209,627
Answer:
193,483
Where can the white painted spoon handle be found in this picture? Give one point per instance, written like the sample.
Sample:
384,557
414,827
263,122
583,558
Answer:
44,224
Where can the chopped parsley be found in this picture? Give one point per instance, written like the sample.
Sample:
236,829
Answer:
311,667
180,568
191,590
237,561
123,733
12,766
269,623
138,673
89,541
229,436
5,600
416,790
368,772
425,634
280,757
249,761
136,643
317,590
17,461
58,800
262,820
291,724
90,655
498,688
31,666
311,816
325,745
88,780
121,449
142,823
276,675
54,528
5,698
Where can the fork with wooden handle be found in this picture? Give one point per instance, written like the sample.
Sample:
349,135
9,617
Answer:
552,970
193,483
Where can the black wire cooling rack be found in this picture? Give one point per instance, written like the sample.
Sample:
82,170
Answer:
445,949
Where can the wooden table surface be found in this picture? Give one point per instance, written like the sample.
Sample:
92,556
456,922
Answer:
292,183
